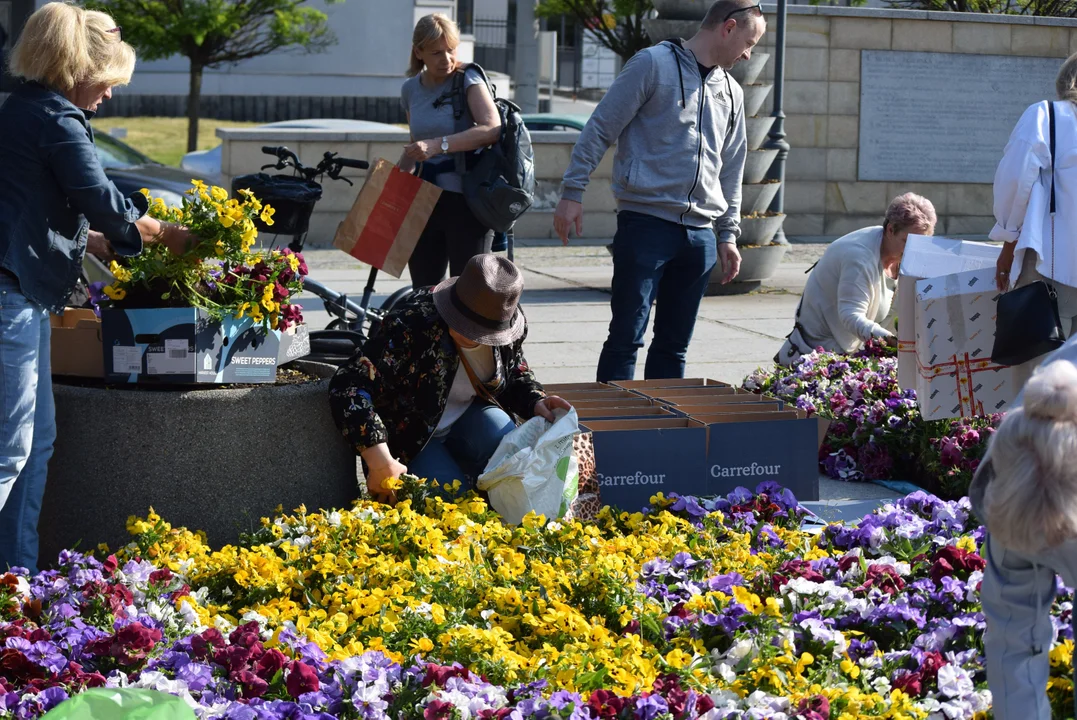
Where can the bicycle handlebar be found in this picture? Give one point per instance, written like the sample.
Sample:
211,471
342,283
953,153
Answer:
357,164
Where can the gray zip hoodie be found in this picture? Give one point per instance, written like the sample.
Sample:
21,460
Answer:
681,141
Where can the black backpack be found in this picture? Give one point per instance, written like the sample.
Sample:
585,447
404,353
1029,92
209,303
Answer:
499,181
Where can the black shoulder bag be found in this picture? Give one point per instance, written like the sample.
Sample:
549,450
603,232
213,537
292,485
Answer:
1027,325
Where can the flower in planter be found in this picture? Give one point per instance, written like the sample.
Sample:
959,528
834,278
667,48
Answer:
220,274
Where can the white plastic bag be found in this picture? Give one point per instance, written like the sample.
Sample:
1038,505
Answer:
534,468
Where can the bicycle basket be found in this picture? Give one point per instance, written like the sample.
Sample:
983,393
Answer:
292,199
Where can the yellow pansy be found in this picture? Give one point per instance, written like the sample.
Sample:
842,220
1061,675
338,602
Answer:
267,215
218,193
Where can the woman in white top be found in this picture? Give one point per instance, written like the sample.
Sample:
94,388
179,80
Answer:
850,291
1022,212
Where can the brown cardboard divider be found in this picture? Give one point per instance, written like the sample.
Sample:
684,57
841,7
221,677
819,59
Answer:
76,344
671,394
558,388
619,402
611,394
669,383
604,413
716,399
730,407
645,424
745,417
824,426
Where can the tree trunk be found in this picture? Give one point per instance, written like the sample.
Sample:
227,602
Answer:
194,102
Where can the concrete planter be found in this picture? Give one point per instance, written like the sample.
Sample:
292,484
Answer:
757,198
757,130
215,459
747,72
757,264
754,97
759,230
757,164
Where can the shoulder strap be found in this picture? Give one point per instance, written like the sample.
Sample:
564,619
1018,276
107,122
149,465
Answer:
480,388
1051,125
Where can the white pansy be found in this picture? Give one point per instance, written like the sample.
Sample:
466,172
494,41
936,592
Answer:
334,518
554,526
881,685
954,682
726,673
740,650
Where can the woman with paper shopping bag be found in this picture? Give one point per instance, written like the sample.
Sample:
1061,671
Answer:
850,291
453,235
1037,222
433,393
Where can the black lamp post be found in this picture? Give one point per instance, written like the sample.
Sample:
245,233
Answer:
776,137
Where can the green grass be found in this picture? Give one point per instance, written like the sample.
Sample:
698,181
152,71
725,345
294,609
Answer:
165,139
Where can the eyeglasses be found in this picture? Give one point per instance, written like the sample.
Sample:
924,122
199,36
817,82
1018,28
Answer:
115,30
731,13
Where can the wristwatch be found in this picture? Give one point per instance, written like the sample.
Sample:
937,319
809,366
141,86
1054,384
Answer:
445,144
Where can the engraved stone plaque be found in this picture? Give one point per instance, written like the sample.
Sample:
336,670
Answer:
943,117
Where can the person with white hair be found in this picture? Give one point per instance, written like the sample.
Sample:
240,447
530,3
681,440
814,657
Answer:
1025,492
850,291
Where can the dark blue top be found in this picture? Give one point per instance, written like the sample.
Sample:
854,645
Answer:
52,189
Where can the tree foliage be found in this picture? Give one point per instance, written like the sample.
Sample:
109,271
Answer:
616,24
214,33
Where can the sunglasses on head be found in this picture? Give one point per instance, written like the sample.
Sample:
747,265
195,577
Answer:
731,13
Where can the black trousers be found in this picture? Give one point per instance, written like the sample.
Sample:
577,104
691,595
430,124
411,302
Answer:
451,238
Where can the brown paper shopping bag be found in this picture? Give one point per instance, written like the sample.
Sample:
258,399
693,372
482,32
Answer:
387,218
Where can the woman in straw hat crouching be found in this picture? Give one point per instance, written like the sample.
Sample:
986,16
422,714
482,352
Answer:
431,394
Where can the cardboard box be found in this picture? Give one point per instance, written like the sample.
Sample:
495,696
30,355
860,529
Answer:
627,402
928,257
76,344
558,388
294,344
726,408
186,345
955,332
600,413
744,450
723,399
635,459
668,383
610,395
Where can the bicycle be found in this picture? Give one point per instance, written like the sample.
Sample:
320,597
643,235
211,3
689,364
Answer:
293,197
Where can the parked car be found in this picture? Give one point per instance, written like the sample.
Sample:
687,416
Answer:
131,171
209,161
553,121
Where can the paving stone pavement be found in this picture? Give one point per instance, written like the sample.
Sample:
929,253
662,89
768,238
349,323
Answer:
566,297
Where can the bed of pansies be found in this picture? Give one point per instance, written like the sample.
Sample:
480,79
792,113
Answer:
715,609
877,432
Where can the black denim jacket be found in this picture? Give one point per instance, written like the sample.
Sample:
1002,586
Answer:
52,189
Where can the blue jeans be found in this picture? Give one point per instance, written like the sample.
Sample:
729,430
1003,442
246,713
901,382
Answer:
655,260
463,452
28,424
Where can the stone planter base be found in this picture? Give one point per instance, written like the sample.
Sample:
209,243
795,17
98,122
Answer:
757,130
746,72
757,199
757,164
754,97
757,264
759,231
209,459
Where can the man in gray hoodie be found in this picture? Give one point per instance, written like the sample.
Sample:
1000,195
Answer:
678,120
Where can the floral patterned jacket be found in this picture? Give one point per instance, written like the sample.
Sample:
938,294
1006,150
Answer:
395,391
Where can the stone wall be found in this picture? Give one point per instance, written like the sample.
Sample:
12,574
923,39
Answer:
824,195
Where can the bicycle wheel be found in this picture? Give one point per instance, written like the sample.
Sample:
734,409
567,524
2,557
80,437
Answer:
392,300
